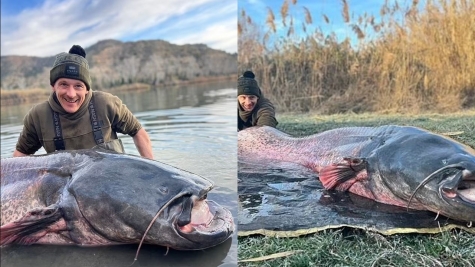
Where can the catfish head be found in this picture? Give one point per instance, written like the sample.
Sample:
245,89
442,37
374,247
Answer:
428,171
127,199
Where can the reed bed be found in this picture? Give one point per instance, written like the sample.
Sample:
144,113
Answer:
418,57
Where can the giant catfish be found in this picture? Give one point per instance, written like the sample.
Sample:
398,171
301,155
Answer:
396,165
95,198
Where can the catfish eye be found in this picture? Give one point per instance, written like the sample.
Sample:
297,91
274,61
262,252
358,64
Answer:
163,190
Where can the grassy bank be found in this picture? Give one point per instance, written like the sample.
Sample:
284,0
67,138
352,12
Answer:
347,247
411,57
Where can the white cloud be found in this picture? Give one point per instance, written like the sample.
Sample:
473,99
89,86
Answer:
57,24
221,35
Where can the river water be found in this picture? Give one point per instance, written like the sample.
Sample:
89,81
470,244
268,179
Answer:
192,128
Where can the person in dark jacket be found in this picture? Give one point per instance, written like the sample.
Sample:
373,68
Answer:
75,117
253,108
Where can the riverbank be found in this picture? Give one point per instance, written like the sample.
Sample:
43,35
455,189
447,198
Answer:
35,95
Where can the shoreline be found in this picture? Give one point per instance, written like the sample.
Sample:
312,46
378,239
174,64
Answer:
34,95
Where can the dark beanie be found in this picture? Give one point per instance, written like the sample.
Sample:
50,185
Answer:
71,65
247,85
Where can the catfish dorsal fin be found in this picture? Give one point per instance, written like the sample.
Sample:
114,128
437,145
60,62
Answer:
338,173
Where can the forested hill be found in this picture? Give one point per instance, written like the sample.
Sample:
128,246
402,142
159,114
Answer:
113,63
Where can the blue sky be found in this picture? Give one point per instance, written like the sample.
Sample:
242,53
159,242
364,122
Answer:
48,27
258,10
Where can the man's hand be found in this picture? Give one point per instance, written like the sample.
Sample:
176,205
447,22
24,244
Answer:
17,153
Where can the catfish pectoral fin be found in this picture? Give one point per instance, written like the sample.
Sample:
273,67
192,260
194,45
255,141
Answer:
31,227
343,174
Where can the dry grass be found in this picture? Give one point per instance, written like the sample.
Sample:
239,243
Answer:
16,97
409,59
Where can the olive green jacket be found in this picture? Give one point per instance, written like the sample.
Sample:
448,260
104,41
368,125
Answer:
38,125
262,114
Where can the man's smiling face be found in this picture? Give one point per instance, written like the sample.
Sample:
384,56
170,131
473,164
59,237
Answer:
248,102
71,93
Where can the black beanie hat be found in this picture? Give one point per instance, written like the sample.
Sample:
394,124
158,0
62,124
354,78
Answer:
247,85
71,65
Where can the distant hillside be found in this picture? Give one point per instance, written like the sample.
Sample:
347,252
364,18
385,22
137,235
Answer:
113,63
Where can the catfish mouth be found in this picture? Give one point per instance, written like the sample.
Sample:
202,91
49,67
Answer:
456,187
202,220
194,217
196,221
460,187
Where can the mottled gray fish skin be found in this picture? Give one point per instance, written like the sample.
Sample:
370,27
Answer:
389,164
21,193
94,197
